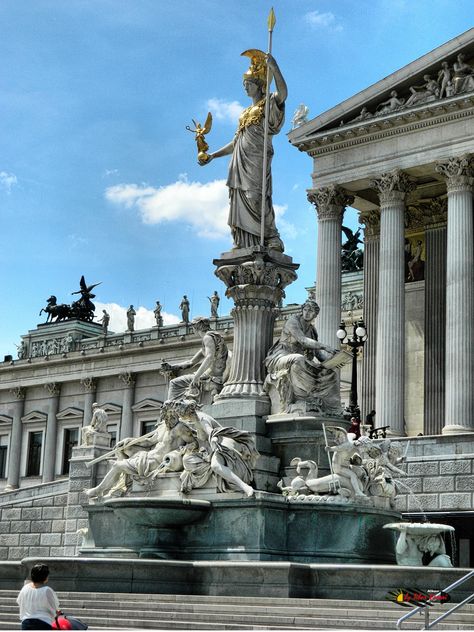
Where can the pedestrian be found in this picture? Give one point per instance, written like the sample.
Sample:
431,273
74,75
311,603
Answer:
370,419
38,603
355,427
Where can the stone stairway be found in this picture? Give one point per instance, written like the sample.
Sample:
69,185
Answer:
104,611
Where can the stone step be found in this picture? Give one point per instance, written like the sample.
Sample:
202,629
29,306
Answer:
119,598
141,611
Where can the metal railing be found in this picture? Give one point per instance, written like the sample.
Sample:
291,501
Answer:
432,601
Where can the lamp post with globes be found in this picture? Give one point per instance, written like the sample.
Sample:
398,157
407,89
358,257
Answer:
359,336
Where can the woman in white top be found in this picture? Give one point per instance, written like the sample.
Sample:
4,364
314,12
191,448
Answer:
38,602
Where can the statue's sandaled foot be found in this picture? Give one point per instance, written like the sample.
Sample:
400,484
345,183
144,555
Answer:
275,243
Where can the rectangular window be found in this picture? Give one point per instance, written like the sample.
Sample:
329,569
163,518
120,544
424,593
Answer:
112,430
3,456
148,426
71,439
35,444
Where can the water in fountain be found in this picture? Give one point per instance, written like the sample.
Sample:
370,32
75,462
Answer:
452,542
412,495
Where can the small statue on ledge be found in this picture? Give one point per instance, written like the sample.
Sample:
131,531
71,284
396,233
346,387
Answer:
157,313
214,300
98,425
300,116
185,308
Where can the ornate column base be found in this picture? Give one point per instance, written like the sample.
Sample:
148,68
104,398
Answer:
456,429
255,280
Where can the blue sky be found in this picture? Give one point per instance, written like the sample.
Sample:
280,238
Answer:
98,175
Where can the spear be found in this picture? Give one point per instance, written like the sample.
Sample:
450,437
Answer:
271,24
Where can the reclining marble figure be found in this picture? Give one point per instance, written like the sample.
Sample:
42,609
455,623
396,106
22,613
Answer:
190,443
362,470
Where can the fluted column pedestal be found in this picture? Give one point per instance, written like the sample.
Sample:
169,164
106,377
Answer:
330,203
371,220
390,360
459,415
49,459
126,426
255,280
13,476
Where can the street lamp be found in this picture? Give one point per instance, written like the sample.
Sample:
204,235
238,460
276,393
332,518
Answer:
359,336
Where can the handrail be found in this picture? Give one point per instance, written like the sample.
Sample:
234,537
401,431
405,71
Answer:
425,607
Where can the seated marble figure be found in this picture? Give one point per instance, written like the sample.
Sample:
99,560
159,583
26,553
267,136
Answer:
209,363
295,369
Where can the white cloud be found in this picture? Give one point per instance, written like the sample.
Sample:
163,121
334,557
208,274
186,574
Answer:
225,111
7,181
204,207
143,320
110,172
287,230
325,20
77,241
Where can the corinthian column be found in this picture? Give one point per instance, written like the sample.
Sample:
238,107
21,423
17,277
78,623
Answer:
126,427
49,460
435,315
330,203
371,219
13,476
89,385
390,361
459,415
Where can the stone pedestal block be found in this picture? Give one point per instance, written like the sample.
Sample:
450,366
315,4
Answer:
229,527
295,436
81,477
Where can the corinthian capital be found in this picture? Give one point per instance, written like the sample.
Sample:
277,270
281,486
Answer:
53,388
371,221
458,171
88,384
436,211
19,392
393,186
330,201
126,378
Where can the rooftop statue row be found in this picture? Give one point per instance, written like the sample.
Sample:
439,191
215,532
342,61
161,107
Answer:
450,81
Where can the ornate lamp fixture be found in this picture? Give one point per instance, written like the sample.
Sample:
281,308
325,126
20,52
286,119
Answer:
359,336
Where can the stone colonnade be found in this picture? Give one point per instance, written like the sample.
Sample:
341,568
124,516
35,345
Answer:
449,368
50,456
